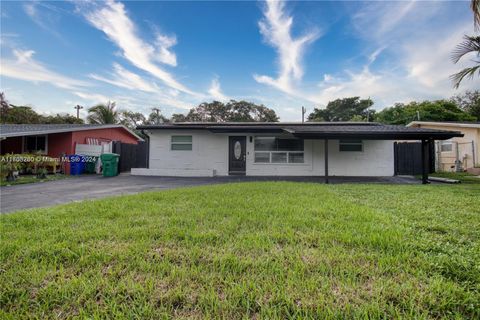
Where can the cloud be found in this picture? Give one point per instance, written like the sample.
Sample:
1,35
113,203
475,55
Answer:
25,67
43,18
126,79
92,97
276,29
112,19
216,92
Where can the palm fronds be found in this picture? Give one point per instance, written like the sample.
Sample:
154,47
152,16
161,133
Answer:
475,4
471,44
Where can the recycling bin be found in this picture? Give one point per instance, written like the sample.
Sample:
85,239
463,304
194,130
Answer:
110,164
77,164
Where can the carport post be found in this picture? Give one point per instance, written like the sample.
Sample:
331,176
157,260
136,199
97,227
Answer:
424,162
326,161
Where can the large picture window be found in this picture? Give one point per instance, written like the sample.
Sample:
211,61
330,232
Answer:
446,146
35,144
278,150
351,145
182,143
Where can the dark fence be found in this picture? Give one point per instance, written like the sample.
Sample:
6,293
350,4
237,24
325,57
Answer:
131,155
408,158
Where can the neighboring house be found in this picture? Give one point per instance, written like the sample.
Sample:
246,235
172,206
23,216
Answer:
457,153
281,149
57,140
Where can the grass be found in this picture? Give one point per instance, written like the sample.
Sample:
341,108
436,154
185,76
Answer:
249,250
23,179
464,177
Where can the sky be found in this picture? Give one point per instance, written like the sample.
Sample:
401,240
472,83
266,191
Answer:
174,55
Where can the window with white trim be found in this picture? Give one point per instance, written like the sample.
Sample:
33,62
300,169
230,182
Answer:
181,143
446,146
351,145
278,150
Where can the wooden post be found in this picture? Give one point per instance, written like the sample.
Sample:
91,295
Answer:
424,162
326,161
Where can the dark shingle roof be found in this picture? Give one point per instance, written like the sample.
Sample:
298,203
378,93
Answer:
17,130
317,130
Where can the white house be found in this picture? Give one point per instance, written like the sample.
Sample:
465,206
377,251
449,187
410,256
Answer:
278,149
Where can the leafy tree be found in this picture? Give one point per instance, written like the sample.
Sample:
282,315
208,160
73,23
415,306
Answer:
156,117
470,44
346,109
440,110
233,111
469,102
20,115
243,111
61,118
103,114
132,119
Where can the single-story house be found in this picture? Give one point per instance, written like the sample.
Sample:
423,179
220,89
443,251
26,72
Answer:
457,153
56,140
279,149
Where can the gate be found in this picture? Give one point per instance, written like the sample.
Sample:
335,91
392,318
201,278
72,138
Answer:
131,155
408,158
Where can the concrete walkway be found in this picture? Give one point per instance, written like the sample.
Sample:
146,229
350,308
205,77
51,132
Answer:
50,193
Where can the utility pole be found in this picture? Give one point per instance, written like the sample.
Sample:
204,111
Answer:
157,111
78,107
418,115
303,114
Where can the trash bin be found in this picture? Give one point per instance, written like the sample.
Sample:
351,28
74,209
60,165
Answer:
90,164
110,164
77,164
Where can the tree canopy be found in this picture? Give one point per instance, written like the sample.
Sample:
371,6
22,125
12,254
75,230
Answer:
103,114
439,110
469,102
13,114
346,109
232,111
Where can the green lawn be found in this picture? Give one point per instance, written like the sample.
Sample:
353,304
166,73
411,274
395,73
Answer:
249,250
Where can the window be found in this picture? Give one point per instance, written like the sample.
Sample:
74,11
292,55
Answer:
278,150
34,144
181,142
446,146
351,145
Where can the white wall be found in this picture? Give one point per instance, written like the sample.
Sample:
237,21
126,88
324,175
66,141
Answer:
209,156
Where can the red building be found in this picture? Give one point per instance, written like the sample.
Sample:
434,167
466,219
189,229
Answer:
57,140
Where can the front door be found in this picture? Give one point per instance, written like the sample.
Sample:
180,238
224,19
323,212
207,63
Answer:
237,155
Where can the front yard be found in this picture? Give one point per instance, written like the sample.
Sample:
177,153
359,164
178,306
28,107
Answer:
251,250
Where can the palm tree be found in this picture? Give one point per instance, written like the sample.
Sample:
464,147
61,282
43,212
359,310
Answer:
471,44
103,114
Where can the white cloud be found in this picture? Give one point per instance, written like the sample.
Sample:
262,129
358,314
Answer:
216,92
92,97
276,29
25,67
43,18
112,19
126,79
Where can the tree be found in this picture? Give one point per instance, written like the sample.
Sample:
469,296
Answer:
20,115
346,109
440,110
103,114
243,111
233,111
61,118
471,44
469,102
156,117
132,119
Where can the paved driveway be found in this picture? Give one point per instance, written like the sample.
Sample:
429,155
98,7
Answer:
94,186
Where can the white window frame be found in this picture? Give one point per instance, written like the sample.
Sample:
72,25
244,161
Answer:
38,135
350,142
181,143
446,143
273,152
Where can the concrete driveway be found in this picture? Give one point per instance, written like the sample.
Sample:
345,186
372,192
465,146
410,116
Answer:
50,193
